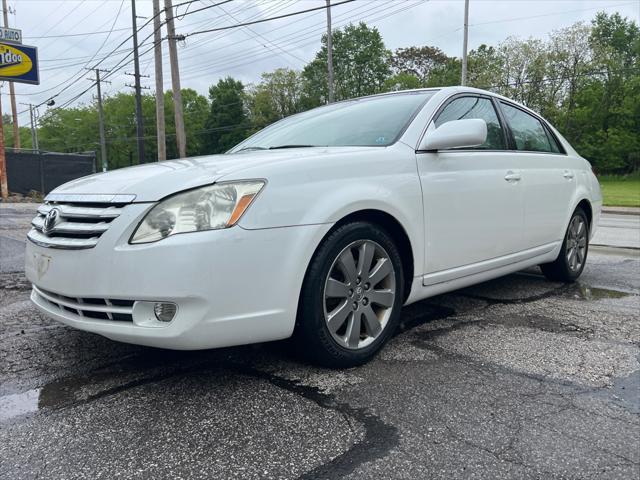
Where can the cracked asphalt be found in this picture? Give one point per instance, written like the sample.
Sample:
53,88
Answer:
514,378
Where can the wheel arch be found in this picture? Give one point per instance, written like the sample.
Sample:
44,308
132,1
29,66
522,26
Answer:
393,227
585,205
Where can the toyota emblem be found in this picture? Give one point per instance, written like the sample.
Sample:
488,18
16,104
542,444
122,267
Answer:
50,220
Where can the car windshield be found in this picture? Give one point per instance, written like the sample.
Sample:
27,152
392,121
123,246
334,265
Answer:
369,121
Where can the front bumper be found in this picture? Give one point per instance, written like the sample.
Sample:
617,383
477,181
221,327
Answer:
232,286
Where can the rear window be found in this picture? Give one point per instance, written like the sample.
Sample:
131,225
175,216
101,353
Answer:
528,132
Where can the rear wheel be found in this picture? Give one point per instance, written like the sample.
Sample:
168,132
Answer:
351,298
573,254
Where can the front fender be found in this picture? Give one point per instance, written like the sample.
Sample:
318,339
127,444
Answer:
326,191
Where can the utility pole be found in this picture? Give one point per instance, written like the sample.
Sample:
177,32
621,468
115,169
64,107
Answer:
464,43
12,92
175,80
103,141
4,189
34,131
329,53
157,50
136,66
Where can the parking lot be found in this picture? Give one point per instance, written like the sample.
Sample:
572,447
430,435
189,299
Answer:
514,378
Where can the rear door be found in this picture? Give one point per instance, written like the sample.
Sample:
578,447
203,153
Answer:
548,177
473,200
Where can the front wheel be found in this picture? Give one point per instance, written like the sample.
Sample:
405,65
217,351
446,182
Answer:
351,297
573,254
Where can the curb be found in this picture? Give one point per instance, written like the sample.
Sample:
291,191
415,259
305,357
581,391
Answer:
631,251
621,210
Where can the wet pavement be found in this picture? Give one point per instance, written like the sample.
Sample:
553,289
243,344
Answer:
513,378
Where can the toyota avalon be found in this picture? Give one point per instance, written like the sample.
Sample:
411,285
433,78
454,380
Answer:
321,226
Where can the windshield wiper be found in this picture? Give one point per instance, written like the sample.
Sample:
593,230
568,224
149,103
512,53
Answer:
291,146
252,148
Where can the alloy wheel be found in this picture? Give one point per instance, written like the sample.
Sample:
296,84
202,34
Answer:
359,294
576,248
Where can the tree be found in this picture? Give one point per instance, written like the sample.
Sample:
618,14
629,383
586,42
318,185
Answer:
24,132
361,65
121,132
195,108
522,73
484,67
607,112
227,122
278,95
69,130
418,61
446,74
570,58
401,81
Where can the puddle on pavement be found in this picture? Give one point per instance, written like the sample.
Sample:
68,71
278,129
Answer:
624,393
584,292
17,404
54,394
627,392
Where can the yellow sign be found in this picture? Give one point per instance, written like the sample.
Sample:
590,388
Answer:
19,63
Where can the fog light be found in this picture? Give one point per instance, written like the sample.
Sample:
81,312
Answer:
165,311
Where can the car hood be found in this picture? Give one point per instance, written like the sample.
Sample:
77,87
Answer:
154,181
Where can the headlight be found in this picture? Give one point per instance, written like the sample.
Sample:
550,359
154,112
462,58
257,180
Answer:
206,208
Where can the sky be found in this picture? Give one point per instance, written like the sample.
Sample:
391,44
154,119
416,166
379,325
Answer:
98,27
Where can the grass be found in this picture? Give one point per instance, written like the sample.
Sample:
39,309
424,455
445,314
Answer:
621,190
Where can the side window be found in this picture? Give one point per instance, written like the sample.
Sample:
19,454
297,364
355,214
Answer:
475,107
555,146
528,132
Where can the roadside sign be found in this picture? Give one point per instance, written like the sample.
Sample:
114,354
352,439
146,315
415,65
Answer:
19,63
10,35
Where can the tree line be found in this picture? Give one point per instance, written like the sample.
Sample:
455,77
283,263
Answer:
585,79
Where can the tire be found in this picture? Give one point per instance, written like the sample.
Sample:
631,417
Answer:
573,253
336,292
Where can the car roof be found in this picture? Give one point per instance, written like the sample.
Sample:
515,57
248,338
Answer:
451,90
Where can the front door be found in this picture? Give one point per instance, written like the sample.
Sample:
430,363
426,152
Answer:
473,197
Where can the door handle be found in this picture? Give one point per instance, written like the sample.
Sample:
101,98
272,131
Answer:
512,176
568,174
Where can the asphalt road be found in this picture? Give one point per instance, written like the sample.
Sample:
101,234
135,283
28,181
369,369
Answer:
513,378
15,219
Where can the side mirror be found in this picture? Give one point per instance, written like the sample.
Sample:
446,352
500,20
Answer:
457,133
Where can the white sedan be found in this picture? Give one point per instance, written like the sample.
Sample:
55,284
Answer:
321,226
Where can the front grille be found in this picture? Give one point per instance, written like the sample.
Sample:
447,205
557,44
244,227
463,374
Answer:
73,225
91,308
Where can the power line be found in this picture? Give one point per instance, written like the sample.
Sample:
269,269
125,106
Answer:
216,37
110,53
257,34
118,66
81,71
286,15
297,37
85,34
81,57
71,79
550,14
298,34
